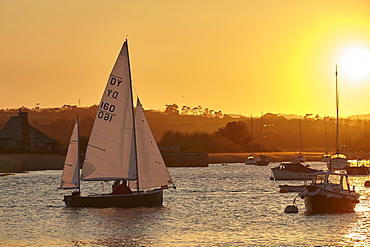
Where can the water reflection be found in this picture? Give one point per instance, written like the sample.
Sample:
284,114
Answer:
357,233
113,226
234,205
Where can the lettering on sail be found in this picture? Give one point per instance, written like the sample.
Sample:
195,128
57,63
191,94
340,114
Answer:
106,109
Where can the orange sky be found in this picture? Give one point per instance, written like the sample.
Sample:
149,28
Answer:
237,56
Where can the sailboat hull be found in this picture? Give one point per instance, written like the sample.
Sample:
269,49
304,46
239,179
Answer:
137,199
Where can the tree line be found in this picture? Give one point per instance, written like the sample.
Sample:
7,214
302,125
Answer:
207,132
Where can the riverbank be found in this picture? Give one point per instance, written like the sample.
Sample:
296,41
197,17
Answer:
10,163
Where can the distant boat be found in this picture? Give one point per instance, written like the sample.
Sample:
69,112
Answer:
326,158
292,171
263,160
360,168
121,147
338,161
299,159
251,160
329,192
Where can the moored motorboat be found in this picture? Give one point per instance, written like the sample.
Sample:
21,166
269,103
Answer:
292,171
338,161
329,192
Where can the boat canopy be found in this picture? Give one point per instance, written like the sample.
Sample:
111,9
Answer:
332,178
338,156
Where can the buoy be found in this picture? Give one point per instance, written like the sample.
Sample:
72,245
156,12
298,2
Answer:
271,178
367,183
291,209
284,190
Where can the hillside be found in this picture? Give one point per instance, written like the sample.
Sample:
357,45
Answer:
280,133
58,122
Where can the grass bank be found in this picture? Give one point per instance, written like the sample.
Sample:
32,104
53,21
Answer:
30,162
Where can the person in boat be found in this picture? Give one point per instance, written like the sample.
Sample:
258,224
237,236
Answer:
119,189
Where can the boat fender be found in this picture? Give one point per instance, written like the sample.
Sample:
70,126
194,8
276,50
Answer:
301,195
284,190
311,191
291,209
272,178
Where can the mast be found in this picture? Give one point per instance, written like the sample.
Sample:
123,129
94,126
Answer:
300,135
78,155
133,119
252,135
326,136
261,134
337,106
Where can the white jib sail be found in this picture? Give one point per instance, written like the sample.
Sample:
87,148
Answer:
152,169
111,152
70,176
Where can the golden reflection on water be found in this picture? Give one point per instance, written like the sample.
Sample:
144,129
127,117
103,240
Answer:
233,205
358,232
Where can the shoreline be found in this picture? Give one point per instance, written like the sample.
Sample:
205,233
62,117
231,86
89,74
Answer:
215,158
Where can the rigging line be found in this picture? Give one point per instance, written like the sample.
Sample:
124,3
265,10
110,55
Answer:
96,147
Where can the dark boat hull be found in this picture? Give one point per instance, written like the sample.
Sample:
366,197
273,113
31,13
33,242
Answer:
357,170
329,203
138,199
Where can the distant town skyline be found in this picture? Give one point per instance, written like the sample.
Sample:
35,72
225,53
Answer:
239,57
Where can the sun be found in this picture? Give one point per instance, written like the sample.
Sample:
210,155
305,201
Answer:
355,63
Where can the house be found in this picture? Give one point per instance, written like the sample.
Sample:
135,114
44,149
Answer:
18,133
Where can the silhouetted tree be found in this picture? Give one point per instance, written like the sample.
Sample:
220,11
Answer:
172,109
237,133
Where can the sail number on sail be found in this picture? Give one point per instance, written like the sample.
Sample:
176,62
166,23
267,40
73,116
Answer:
106,110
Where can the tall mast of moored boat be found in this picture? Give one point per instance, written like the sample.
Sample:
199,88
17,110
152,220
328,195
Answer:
337,105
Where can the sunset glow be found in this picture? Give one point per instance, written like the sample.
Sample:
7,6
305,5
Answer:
238,57
356,63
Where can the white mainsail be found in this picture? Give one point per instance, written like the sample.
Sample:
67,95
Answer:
111,150
152,169
70,176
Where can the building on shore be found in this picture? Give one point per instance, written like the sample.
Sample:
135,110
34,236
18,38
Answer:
19,134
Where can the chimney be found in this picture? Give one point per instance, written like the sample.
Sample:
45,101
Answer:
25,130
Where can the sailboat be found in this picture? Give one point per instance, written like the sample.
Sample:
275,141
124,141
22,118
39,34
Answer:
71,170
326,157
338,161
122,147
262,160
251,160
300,158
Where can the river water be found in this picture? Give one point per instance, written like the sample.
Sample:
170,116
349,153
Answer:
219,205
